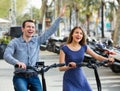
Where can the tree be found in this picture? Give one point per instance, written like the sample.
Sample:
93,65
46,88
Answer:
33,13
43,9
89,7
116,37
5,7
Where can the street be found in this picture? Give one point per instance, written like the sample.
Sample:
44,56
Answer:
110,81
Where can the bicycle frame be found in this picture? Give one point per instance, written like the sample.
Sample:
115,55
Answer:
40,68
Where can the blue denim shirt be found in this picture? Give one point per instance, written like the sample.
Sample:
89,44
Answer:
19,50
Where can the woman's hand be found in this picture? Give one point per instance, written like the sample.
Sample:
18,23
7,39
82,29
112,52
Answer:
72,65
111,59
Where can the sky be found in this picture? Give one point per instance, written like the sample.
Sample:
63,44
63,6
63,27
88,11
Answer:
36,3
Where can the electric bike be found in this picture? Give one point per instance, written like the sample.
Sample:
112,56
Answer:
40,68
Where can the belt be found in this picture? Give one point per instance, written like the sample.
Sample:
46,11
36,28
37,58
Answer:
26,75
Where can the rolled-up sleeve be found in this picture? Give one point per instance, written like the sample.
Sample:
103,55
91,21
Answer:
8,54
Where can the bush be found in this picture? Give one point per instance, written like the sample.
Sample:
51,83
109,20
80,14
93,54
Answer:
5,40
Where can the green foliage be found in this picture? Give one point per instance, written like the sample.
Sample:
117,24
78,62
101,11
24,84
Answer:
35,15
5,6
5,39
20,5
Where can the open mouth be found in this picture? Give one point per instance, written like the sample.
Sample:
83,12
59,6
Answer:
30,32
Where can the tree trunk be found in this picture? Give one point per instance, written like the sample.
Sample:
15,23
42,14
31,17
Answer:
88,21
43,9
116,35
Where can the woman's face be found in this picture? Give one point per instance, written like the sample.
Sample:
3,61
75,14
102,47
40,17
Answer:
77,35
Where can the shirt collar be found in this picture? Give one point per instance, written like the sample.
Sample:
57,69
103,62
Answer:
22,40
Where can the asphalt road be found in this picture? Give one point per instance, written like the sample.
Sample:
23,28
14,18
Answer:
110,81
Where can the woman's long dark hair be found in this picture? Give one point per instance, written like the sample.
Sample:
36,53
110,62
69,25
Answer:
70,38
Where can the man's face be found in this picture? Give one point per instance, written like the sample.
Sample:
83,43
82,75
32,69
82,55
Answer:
29,29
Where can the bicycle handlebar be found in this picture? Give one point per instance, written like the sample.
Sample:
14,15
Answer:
43,68
46,68
91,64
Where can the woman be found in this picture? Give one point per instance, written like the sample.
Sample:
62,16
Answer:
72,53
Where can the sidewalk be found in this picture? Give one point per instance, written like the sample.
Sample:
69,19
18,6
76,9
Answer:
53,77
6,74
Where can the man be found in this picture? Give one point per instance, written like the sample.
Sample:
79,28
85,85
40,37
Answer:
24,51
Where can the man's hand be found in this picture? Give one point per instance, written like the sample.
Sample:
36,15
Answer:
62,11
21,65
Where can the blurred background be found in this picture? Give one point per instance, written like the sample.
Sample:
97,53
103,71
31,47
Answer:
98,18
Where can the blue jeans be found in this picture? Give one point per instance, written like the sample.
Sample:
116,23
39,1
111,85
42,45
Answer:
21,83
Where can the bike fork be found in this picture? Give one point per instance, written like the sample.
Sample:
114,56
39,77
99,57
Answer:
97,79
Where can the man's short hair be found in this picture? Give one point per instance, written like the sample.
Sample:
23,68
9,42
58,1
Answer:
23,25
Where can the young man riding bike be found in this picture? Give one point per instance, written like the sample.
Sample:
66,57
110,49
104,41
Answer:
24,51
